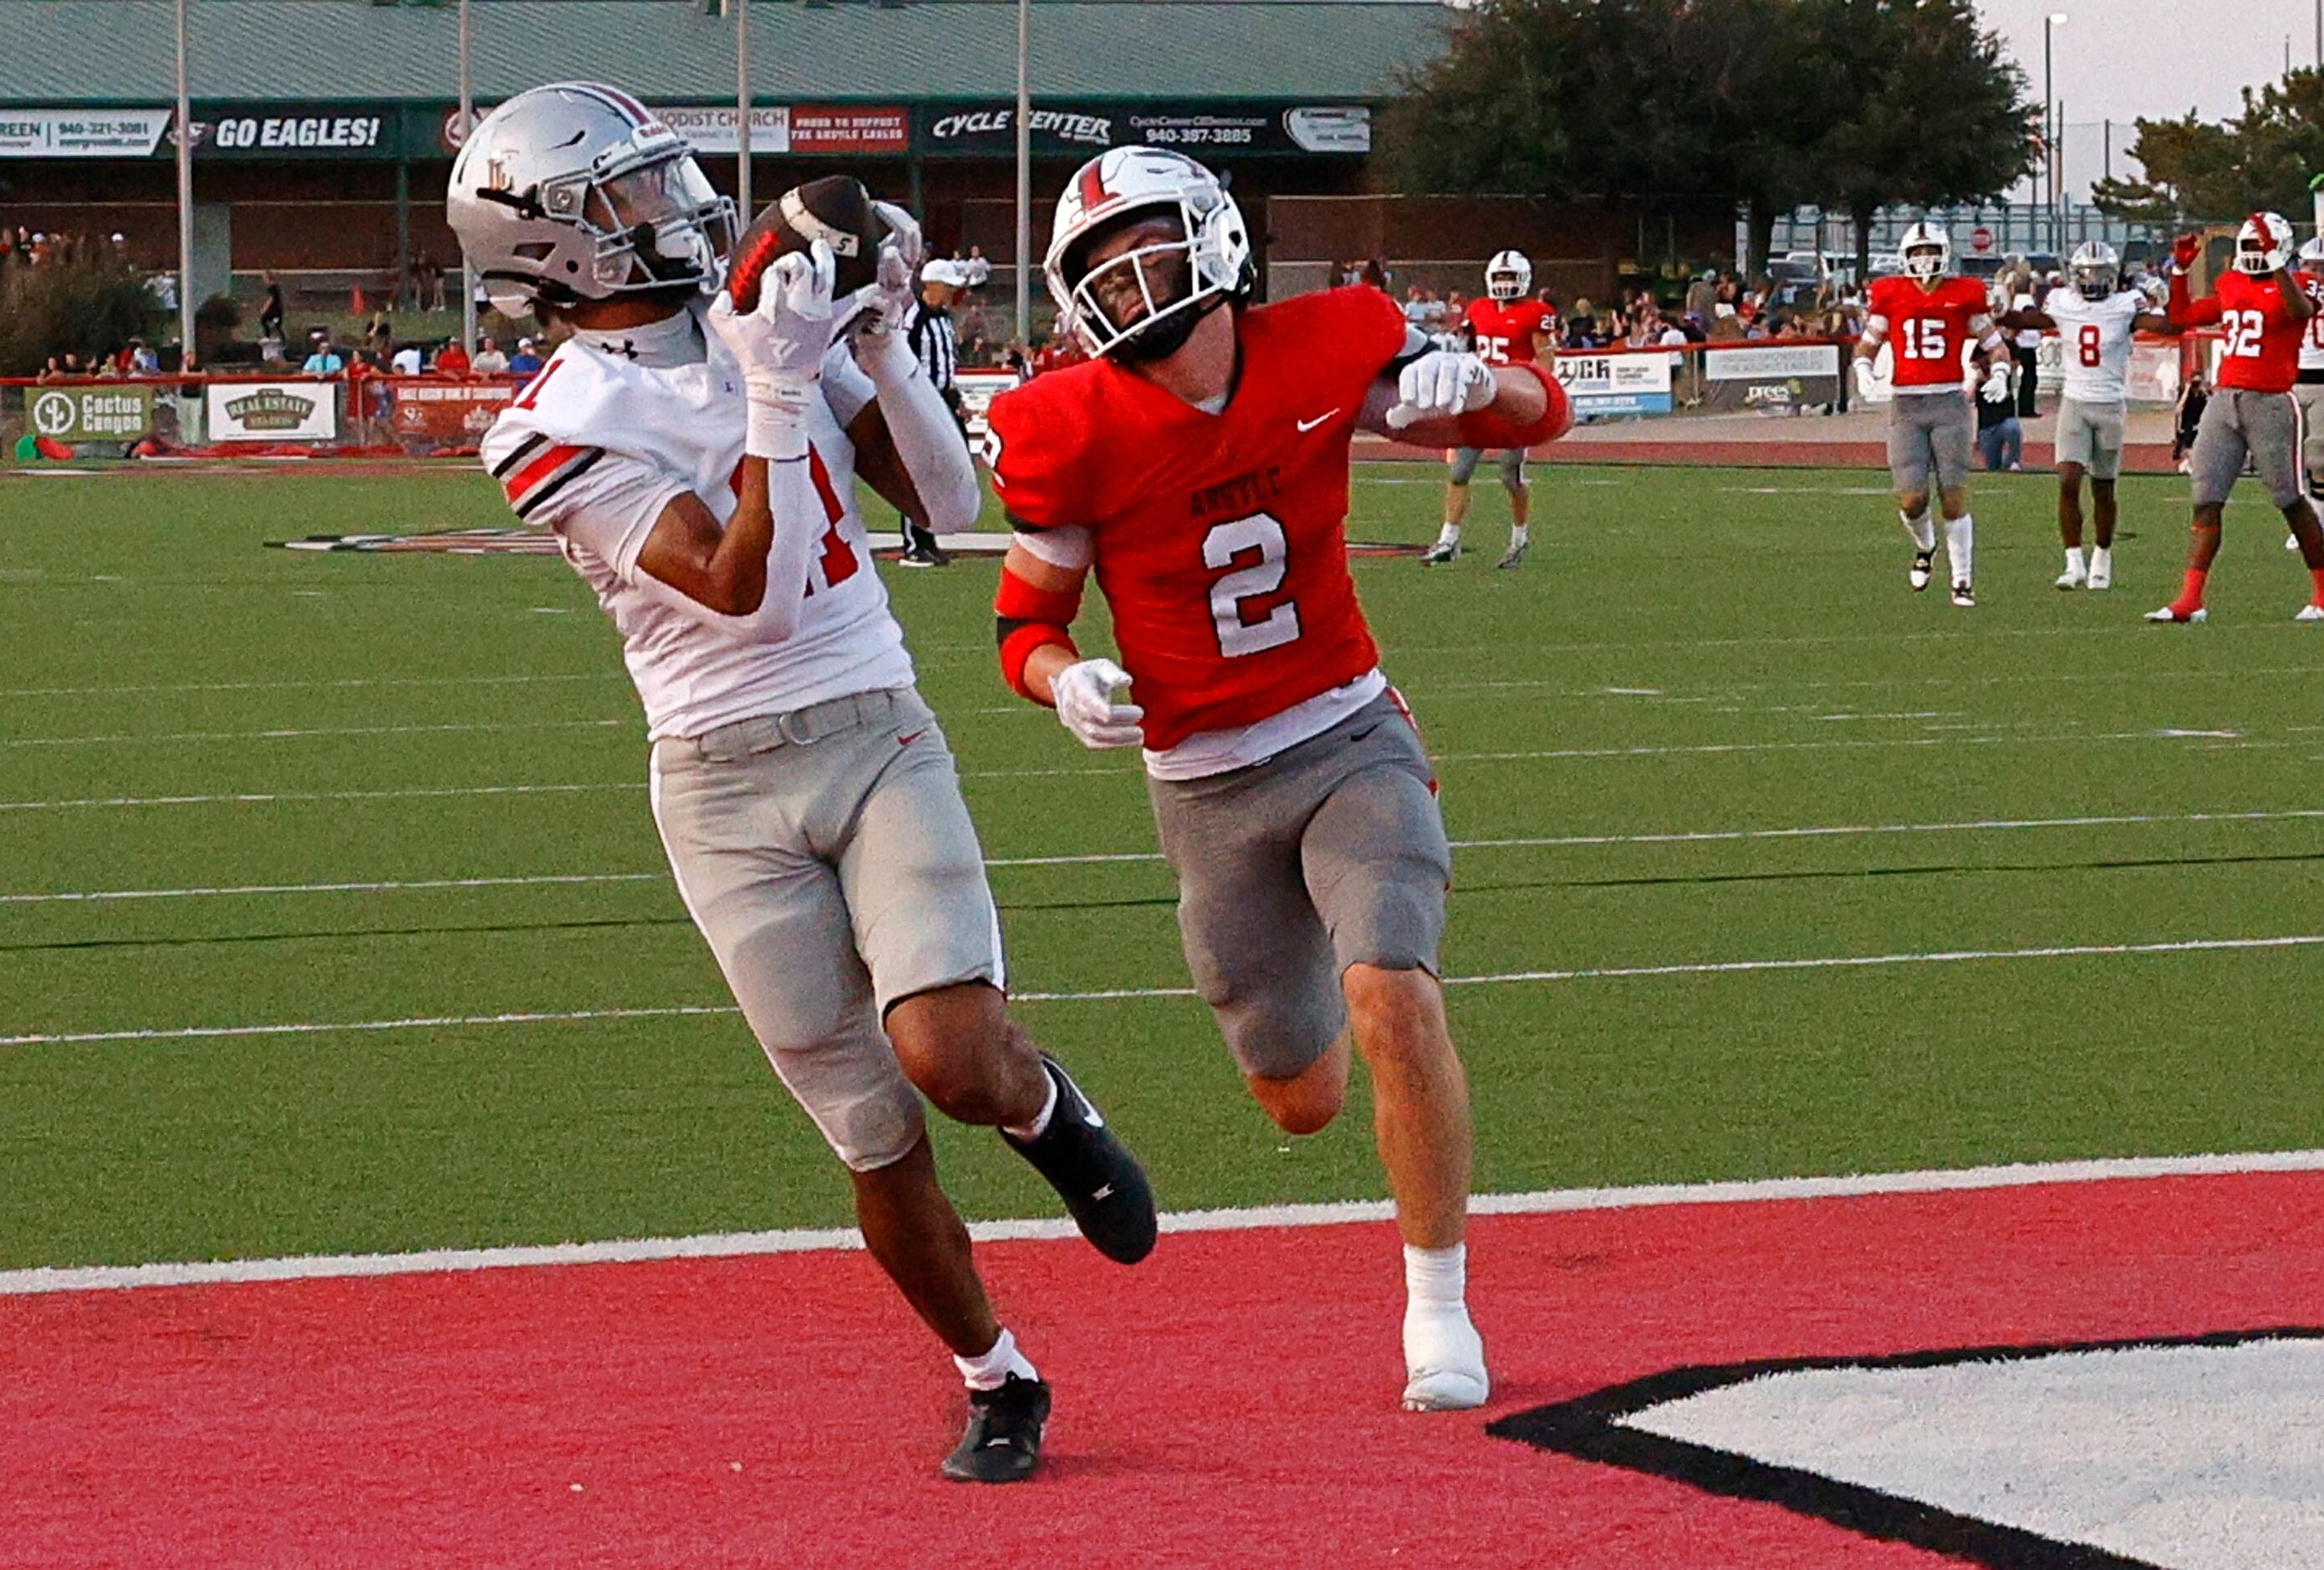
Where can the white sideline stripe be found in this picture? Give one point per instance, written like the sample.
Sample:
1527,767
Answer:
1502,978
738,1244
322,682
291,733
1694,836
242,797
1686,836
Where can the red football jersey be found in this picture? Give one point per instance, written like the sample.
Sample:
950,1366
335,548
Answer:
1221,542
1505,331
2260,342
1928,330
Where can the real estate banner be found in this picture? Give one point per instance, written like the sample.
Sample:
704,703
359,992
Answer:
272,410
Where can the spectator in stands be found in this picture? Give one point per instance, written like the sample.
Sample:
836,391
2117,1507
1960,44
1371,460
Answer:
142,360
1702,294
270,315
489,360
429,279
55,371
406,362
322,359
2000,436
525,362
1423,309
452,359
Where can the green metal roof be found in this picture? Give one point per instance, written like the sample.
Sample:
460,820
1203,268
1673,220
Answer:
122,51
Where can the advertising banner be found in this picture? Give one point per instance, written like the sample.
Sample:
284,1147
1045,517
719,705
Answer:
446,414
272,412
715,128
72,414
977,389
298,130
1602,384
989,129
1779,377
81,133
850,128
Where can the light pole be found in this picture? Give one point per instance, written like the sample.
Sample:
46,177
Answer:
186,203
467,129
2049,25
1024,175
743,107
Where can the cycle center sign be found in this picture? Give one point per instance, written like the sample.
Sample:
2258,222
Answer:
71,414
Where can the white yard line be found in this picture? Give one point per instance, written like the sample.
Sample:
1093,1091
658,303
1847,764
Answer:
251,797
314,684
1556,841
819,1240
1501,978
295,732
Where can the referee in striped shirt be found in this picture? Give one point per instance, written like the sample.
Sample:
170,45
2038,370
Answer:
928,329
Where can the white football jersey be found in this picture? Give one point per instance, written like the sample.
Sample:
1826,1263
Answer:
598,444
2094,341
2311,341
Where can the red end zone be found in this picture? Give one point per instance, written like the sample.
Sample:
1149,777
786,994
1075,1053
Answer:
1231,1401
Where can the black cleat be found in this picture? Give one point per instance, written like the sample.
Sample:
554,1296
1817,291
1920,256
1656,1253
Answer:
1924,565
1103,1186
1003,1441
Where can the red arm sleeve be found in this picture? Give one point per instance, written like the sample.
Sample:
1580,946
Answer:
2186,312
1487,427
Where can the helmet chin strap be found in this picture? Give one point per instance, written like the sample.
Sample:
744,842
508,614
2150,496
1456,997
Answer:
647,245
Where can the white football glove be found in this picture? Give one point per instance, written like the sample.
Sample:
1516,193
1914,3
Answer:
1085,696
1996,385
1443,384
1867,383
877,335
779,347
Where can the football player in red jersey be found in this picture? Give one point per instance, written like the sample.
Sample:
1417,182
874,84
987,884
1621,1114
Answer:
1507,328
2263,307
1928,319
1199,463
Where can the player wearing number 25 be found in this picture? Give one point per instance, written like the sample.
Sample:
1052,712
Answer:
1199,463
2261,308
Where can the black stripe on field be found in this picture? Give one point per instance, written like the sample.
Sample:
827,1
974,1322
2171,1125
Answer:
1591,1429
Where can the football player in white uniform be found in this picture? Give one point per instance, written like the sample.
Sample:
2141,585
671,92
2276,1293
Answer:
2094,314
698,466
2309,391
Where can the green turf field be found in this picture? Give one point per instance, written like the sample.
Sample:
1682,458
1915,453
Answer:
1711,653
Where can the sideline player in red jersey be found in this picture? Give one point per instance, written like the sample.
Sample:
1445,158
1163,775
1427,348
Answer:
1507,328
1930,319
1199,463
2263,307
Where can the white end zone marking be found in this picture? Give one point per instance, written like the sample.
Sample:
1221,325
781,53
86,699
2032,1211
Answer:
737,1244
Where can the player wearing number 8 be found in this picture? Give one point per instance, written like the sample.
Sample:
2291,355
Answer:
2094,317
2262,308
1199,465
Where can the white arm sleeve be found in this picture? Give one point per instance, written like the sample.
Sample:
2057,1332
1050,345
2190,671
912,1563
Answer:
928,439
1071,547
1876,332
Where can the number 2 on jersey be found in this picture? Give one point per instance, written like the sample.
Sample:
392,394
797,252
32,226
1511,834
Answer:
1221,547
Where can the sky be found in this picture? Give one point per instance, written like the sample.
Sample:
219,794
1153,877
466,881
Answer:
2118,59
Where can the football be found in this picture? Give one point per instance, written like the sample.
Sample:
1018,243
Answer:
835,209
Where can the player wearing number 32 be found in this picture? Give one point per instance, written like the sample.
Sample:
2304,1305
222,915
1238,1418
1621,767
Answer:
1199,464
1930,321
2094,317
699,467
2262,310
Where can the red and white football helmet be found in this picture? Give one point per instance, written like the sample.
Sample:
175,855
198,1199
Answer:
1927,251
2263,245
1214,247
1508,276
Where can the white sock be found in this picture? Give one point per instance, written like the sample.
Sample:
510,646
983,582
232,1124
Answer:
1518,538
2074,560
1027,1133
1924,533
2101,558
989,1371
1450,535
1959,533
1436,1277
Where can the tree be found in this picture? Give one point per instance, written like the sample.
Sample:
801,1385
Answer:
2259,159
1918,107
1687,103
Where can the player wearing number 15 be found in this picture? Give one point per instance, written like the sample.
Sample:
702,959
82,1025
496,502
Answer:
2262,309
1929,321
1199,464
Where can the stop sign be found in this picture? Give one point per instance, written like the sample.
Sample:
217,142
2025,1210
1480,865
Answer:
1980,238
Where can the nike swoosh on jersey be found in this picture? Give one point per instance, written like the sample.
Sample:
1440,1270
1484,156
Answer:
1307,425
906,740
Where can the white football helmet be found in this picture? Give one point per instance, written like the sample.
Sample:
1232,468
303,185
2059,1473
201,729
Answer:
1927,251
2311,255
1508,276
2096,269
574,191
1115,307
2263,245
